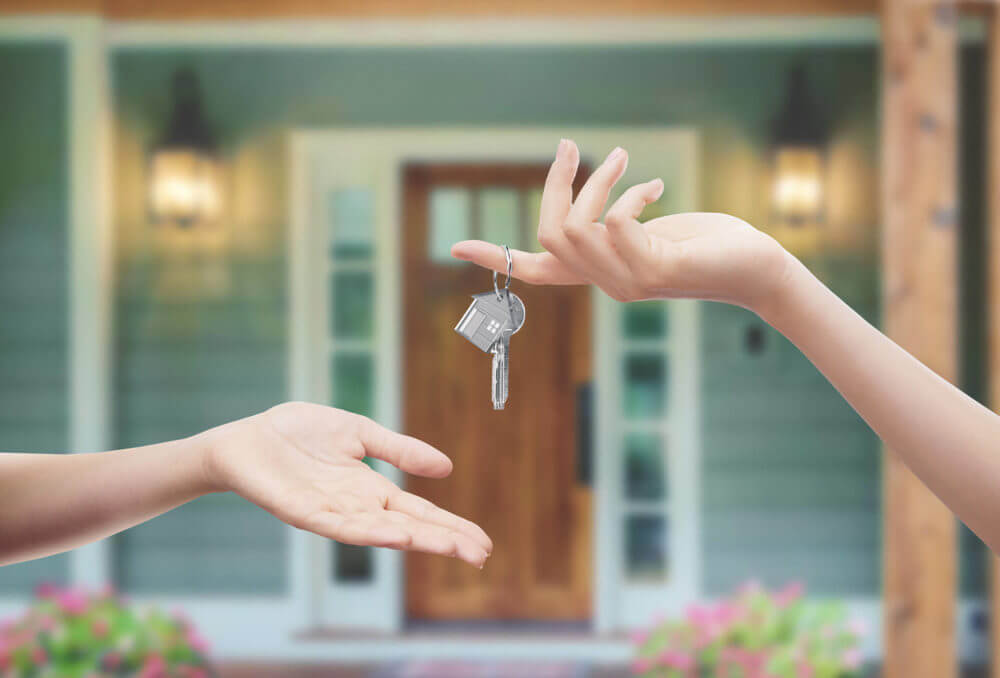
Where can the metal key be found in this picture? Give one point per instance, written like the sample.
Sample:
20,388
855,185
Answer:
501,351
488,323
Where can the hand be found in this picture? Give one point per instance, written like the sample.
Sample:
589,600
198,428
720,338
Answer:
701,255
303,463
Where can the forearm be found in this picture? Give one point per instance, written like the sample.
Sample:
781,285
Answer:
950,441
50,503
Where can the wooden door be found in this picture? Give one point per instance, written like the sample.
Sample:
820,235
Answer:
521,472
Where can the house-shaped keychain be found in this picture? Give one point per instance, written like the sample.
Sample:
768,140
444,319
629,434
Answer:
484,320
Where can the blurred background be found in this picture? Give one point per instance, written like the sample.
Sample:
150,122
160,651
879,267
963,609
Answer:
209,208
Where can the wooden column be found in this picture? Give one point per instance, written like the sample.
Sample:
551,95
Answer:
919,251
993,292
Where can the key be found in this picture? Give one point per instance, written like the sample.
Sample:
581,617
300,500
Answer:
501,351
489,322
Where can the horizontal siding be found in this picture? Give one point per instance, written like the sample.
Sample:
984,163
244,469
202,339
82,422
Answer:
185,363
33,270
217,544
791,481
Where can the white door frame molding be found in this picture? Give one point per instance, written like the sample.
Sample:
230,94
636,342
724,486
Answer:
377,154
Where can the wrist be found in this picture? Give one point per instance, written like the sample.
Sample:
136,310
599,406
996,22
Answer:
778,306
201,452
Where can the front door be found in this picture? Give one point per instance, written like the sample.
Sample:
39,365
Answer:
521,473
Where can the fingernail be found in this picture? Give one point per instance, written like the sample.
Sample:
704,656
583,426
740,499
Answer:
615,154
658,183
563,147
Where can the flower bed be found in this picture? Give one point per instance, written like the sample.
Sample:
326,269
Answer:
72,634
753,634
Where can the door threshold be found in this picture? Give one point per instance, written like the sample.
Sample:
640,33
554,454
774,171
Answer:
529,642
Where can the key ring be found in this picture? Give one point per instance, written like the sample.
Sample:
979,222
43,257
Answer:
510,268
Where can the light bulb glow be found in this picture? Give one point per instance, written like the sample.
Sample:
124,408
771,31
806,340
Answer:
184,186
798,186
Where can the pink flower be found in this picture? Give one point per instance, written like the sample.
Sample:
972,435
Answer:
38,656
749,587
72,602
639,637
154,667
46,590
197,643
804,670
857,628
676,659
852,659
4,657
47,623
100,628
788,595
642,665
112,660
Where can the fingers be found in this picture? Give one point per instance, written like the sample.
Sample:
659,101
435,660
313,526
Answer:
557,197
389,529
438,540
404,452
425,511
536,269
360,529
628,235
590,202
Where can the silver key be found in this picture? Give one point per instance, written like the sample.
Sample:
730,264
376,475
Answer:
501,352
488,323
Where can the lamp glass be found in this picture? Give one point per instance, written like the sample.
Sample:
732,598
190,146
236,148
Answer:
798,184
185,186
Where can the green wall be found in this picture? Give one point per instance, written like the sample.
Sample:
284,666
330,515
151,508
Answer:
791,485
34,198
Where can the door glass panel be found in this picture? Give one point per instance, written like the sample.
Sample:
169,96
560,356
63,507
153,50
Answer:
353,380
646,547
645,385
351,223
644,474
499,218
448,223
353,564
352,304
645,320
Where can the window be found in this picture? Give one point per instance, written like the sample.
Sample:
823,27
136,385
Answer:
645,490
352,332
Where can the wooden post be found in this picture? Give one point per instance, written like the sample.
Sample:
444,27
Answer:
993,291
919,252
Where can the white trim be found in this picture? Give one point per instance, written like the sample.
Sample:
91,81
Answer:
525,31
89,243
439,31
377,154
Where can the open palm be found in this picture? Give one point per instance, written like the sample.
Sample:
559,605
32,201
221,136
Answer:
303,463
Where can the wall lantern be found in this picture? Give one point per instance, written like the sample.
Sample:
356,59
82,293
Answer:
799,140
185,184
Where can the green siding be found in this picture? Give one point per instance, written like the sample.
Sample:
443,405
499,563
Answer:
33,268
791,473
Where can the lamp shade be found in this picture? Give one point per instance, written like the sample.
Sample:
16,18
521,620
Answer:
799,140
185,182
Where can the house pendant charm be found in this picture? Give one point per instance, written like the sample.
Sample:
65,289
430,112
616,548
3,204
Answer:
488,323
488,316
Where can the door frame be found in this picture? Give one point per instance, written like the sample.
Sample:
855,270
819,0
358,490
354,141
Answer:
377,157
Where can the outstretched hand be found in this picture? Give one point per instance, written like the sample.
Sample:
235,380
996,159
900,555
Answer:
698,254
303,463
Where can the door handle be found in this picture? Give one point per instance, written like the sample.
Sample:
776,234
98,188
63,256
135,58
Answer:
585,434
